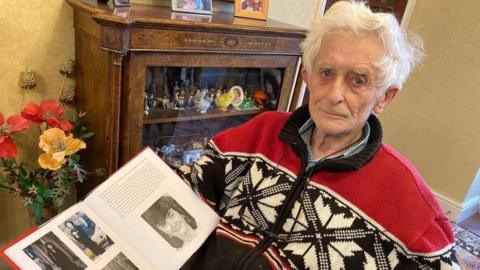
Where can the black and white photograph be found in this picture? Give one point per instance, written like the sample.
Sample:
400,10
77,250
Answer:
193,6
89,237
120,262
50,253
169,219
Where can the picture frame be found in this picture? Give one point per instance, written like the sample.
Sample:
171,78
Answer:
191,17
193,6
254,9
121,3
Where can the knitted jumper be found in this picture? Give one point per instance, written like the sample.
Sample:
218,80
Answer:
368,211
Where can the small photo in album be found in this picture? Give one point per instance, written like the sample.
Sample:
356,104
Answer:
87,235
120,262
49,252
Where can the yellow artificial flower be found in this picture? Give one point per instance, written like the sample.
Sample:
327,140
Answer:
47,161
56,146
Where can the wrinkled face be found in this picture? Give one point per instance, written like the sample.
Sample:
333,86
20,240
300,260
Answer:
174,223
341,84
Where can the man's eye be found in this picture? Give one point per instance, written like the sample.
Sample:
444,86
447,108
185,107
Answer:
326,73
359,81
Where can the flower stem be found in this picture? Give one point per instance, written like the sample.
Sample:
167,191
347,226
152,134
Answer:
61,88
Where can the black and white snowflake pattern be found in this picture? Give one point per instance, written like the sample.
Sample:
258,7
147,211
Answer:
322,230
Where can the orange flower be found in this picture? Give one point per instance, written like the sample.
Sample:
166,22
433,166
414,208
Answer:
57,146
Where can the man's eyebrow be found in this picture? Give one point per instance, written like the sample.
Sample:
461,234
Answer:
362,72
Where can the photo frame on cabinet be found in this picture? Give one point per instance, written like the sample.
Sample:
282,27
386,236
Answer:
254,9
121,3
191,17
193,6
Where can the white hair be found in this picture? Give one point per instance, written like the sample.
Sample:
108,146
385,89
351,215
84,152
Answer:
402,51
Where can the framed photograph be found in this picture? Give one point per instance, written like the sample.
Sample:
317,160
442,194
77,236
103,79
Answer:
255,9
121,3
191,17
193,6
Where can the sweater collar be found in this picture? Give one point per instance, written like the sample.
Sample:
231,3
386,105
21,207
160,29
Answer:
289,134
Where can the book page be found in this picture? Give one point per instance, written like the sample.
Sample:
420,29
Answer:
75,239
154,211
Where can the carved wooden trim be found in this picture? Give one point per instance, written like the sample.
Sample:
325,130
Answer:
170,40
115,39
117,58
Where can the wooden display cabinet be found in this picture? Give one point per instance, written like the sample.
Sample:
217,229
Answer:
145,76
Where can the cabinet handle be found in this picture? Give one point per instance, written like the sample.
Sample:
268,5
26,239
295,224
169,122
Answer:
231,42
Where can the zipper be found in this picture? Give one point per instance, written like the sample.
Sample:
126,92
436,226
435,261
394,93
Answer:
249,257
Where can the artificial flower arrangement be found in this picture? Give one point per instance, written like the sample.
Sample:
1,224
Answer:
48,184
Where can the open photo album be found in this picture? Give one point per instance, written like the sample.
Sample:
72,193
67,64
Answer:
144,216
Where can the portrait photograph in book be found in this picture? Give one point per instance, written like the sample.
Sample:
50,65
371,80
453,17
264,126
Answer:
49,252
169,219
120,262
89,237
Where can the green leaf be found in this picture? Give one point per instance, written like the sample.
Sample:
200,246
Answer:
75,158
48,193
87,135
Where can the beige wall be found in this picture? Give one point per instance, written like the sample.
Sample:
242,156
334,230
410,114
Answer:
37,35
434,121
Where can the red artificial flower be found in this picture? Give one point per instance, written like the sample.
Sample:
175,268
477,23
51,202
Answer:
14,124
49,111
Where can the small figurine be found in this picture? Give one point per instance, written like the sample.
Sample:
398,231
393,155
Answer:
224,101
239,96
261,98
180,99
201,102
247,104
162,102
218,93
146,108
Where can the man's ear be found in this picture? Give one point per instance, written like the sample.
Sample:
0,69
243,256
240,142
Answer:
385,99
305,74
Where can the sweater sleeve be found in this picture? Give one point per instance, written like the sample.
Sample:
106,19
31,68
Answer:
438,237
206,176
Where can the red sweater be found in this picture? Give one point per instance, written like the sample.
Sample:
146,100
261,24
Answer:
369,210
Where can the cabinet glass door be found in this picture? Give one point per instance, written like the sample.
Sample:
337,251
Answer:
185,106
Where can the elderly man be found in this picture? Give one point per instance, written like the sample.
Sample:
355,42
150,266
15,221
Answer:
317,189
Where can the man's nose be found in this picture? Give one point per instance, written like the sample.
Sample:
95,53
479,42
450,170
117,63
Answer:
336,91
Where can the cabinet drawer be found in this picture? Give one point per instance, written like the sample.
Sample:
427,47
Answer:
174,40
